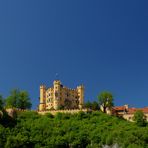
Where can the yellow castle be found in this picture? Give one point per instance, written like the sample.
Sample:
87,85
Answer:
60,97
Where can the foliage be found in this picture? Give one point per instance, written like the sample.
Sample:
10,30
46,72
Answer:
95,105
80,130
105,100
83,130
18,99
24,100
1,102
139,118
11,100
91,105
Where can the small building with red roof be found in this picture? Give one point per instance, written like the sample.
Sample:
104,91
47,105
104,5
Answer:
128,113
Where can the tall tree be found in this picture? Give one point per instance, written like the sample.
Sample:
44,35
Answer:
24,100
105,100
11,100
18,99
139,118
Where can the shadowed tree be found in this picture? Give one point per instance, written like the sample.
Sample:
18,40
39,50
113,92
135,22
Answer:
88,105
1,102
92,105
95,105
105,100
67,104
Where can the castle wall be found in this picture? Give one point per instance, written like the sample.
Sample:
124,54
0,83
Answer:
54,112
61,97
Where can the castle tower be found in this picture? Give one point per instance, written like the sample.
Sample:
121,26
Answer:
80,90
42,105
59,96
56,98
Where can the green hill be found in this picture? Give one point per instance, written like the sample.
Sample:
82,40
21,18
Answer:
91,130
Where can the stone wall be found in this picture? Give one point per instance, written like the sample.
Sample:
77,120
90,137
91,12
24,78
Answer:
53,112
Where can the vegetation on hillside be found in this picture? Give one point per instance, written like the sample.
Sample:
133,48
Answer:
139,118
16,99
90,130
93,129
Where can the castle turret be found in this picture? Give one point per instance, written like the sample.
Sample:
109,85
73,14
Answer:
42,105
80,90
60,97
56,98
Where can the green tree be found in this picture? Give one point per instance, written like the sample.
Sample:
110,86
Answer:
88,105
11,100
24,100
95,105
67,104
105,100
139,118
18,99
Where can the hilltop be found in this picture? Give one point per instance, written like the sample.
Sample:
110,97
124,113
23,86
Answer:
91,130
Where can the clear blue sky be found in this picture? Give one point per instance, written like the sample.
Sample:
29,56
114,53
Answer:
102,44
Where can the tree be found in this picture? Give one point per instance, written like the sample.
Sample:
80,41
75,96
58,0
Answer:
88,105
105,100
24,100
18,99
67,104
11,100
1,102
95,105
92,105
139,118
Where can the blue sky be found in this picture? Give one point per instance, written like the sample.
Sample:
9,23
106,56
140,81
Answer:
102,44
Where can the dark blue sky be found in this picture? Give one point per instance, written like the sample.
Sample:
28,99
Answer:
102,44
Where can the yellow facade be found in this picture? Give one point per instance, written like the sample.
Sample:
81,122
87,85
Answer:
60,97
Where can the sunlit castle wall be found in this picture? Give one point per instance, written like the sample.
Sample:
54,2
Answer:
58,96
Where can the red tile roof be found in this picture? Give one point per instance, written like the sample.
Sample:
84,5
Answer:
119,108
129,110
145,110
133,110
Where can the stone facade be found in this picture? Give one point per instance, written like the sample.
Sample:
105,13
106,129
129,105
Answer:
60,97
